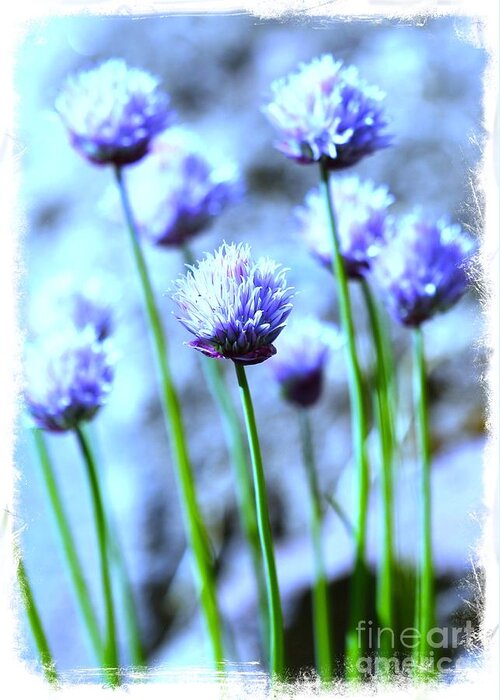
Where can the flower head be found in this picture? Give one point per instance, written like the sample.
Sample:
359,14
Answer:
180,189
422,269
299,365
234,306
361,218
326,111
112,112
68,378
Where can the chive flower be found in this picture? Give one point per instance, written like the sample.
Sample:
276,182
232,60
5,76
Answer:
325,111
180,189
422,269
112,112
361,218
68,378
234,306
299,366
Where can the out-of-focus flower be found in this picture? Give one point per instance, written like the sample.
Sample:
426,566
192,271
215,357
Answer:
90,308
299,364
422,270
361,219
112,112
180,189
68,378
68,300
235,307
326,111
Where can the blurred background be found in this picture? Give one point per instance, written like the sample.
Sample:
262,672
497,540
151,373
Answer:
217,71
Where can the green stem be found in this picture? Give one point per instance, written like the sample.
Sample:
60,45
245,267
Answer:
385,573
111,664
426,603
122,578
321,608
276,634
68,544
195,528
357,612
389,361
36,626
339,511
244,488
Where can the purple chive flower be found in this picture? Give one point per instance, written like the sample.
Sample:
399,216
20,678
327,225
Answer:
361,218
326,111
422,269
180,189
234,306
299,365
112,112
68,378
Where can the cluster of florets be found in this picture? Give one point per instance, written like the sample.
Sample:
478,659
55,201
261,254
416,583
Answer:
234,306
325,111
179,190
112,112
70,362
423,269
68,378
361,212
299,366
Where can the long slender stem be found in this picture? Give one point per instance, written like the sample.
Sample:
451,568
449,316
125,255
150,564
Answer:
68,544
323,643
426,602
195,528
339,511
110,648
357,612
385,424
36,626
121,578
276,635
243,478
